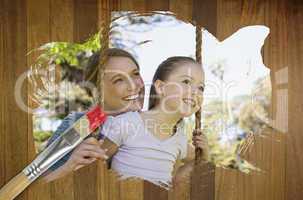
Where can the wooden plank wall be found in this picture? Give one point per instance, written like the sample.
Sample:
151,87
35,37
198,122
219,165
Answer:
25,25
294,161
269,152
13,121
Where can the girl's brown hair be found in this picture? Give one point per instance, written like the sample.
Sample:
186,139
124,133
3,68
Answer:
162,72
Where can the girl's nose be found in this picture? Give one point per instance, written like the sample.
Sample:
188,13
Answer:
195,90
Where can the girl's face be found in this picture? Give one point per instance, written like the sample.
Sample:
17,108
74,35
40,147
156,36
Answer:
123,86
182,91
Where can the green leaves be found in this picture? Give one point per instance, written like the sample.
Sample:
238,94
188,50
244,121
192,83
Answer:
72,54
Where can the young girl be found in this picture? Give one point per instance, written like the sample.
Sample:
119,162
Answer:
147,144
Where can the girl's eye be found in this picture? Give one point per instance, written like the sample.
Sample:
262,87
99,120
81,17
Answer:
186,81
201,88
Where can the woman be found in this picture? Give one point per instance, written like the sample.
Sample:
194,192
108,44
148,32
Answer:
123,89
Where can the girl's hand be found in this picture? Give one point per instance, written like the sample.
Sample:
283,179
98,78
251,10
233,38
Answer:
183,174
200,141
86,153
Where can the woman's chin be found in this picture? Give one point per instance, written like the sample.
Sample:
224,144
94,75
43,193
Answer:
133,106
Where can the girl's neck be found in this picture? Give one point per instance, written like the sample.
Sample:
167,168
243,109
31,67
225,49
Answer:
161,120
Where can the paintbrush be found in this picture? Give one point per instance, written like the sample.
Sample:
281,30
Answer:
69,139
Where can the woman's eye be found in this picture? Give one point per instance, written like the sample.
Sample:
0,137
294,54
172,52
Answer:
137,73
117,80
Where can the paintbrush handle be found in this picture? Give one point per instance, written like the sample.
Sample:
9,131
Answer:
14,187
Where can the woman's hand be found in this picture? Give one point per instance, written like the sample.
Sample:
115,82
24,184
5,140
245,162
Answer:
86,153
200,141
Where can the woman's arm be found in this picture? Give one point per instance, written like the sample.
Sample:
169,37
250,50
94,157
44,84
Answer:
86,153
90,150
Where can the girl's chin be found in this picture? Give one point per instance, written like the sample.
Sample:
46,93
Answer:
187,112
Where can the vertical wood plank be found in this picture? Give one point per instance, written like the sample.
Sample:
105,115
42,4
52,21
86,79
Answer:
85,24
205,14
132,190
294,166
13,120
203,177
226,181
157,5
183,9
268,152
85,19
152,191
2,92
62,29
38,33
275,57
133,5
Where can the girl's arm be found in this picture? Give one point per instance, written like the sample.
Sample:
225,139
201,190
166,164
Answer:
183,172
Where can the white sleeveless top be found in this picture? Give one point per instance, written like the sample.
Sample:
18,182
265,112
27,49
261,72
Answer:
141,154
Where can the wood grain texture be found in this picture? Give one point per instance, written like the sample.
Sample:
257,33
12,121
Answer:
157,5
25,25
133,5
202,184
152,191
268,152
62,29
85,24
294,45
232,185
205,14
13,120
182,8
2,95
14,187
85,19
275,57
38,33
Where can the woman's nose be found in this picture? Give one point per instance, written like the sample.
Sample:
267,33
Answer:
137,84
131,85
134,84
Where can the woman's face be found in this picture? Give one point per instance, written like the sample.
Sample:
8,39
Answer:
183,90
123,86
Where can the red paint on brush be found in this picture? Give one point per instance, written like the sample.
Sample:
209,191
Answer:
96,117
